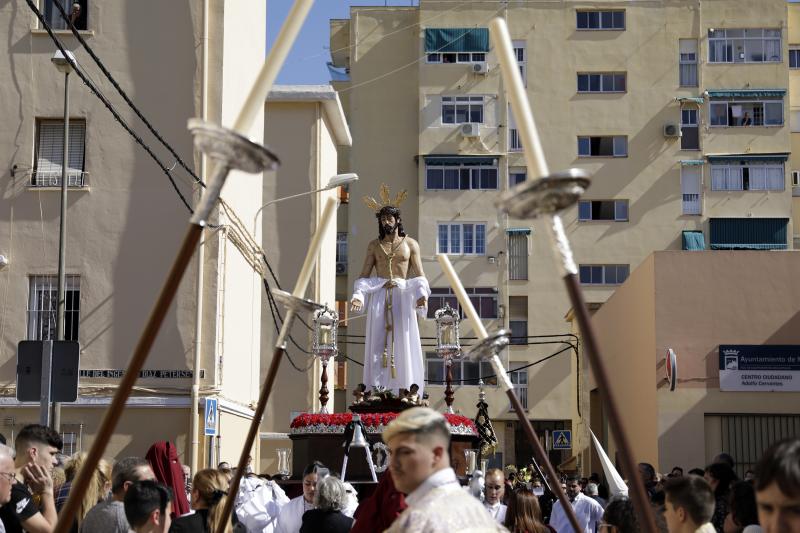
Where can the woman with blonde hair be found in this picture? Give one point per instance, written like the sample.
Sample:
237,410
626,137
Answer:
209,493
98,487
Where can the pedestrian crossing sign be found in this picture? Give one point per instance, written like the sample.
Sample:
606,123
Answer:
562,439
212,414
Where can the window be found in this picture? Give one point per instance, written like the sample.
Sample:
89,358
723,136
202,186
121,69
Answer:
519,53
747,176
70,443
753,45
690,133
462,238
483,298
518,253
463,178
453,57
794,121
50,153
606,146
748,233
611,82
465,372
688,62
462,109
747,436
514,140
744,113
795,178
518,319
57,22
691,189
794,57
341,253
42,306
516,176
604,274
616,210
519,378
601,20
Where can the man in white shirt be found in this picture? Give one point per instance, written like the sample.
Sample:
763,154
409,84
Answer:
588,511
688,505
418,442
493,493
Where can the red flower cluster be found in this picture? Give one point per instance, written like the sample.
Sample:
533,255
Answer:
369,420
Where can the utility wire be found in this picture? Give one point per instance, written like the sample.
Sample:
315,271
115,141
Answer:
105,101
122,93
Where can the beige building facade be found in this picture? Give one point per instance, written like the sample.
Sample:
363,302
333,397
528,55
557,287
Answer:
678,110
702,306
124,222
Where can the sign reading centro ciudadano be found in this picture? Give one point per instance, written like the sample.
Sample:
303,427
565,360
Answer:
759,368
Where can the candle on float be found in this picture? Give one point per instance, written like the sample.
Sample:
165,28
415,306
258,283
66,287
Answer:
461,294
529,136
272,65
447,334
313,249
324,335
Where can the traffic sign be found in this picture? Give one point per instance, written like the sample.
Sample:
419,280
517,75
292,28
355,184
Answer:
562,439
212,414
64,370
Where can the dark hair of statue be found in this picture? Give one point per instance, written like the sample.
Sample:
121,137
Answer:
393,211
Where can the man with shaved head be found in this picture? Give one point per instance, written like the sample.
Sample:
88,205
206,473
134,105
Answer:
419,441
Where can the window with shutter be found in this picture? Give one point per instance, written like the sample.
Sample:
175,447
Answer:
50,154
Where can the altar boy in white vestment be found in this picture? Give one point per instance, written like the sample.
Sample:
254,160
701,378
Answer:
418,442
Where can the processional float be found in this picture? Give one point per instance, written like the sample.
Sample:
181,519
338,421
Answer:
231,150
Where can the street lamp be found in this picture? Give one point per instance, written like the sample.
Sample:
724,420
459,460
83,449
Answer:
63,64
335,181
325,325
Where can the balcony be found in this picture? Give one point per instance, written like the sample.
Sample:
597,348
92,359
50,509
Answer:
52,178
692,205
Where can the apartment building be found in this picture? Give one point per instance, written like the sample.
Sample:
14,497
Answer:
125,221
678,111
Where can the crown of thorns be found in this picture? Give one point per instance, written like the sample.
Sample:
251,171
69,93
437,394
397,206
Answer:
385,199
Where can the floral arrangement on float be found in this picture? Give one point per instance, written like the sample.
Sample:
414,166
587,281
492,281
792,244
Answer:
374,423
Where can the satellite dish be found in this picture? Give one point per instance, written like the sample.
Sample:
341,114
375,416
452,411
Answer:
672,369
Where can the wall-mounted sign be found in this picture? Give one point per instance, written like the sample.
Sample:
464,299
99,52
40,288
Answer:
759,368
115,373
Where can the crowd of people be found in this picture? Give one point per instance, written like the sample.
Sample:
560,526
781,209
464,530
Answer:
419,493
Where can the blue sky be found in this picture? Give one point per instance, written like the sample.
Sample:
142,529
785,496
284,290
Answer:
306,61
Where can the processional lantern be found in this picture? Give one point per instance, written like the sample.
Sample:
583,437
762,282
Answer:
448,346
326,324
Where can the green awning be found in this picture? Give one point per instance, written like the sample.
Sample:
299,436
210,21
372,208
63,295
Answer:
747,93
692,162
456,40
725,158
693,99
693,240
748,233
518,231
472,160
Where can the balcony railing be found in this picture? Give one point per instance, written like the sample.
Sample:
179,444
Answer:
692,204
52,178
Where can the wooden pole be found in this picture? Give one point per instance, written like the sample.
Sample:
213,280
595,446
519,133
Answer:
537,168
81,483
505,382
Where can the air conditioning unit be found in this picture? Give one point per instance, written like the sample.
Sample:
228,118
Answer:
672,130
471,129
480,68
341,269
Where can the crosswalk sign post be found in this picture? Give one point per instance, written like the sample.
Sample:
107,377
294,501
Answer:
562,439
211,415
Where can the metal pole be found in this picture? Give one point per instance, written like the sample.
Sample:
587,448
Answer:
47,361
62,245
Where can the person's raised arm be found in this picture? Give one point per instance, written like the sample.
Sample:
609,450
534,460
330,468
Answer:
41,483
